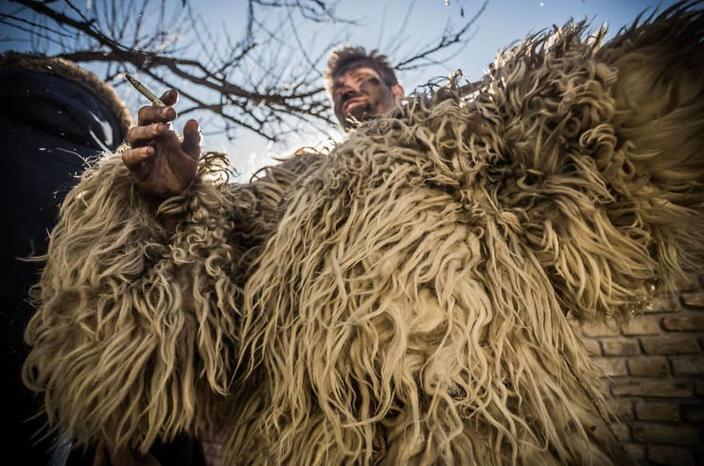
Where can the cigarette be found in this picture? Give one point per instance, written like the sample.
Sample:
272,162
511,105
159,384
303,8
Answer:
144,90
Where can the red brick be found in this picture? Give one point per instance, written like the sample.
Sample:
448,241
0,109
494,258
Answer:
662,433
654,388
663,304
622,409
598,329
671,456
670,344
694,413
592,346
695,299
642,325
622,431
635,451
648,366
688,365
684,322
656,411
620,346
611,367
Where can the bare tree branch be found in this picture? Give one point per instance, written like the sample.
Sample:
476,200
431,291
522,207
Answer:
4,18
267,81
448,39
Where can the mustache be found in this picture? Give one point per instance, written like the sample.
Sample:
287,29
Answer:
351,95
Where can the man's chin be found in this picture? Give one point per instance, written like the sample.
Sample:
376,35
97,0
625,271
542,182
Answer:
361,113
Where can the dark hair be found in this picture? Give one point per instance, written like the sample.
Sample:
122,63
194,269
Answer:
347,58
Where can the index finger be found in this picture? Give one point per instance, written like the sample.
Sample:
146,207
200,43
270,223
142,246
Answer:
150,114
170,97
133,158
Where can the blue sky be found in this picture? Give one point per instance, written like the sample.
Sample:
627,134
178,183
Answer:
502,22
397,28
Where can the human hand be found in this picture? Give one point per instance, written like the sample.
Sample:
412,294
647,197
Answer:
163,165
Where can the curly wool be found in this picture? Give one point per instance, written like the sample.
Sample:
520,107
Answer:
404,299
412,306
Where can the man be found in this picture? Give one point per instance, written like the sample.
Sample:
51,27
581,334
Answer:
361,86
402,299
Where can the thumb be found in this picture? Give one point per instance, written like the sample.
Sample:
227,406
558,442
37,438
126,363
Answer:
191,139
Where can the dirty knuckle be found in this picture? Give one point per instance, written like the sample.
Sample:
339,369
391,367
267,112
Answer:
146,114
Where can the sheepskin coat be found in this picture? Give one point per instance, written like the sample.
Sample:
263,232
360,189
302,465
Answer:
405,298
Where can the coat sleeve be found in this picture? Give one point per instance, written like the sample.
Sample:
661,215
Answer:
134,330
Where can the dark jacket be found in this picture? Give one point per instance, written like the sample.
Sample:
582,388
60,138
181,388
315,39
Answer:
53,116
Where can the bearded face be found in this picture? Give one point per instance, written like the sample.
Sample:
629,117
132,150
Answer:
361,94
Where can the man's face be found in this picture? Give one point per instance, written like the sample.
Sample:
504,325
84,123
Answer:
362,94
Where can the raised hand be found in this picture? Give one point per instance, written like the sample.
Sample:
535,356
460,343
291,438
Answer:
163,164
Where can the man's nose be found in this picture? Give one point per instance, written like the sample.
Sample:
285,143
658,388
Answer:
348,93
349,87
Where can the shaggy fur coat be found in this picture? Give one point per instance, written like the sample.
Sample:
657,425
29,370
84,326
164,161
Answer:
405,298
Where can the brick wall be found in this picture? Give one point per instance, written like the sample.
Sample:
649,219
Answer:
654,368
